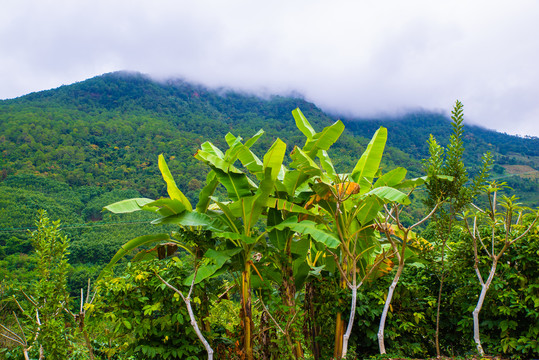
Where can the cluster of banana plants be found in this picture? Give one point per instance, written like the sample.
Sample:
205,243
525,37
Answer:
280,225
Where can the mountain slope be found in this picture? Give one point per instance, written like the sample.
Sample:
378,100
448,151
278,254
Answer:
107,131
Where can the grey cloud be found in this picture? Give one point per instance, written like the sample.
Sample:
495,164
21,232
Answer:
359,58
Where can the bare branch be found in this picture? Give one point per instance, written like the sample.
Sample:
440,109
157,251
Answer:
525,232
192,283
12,333
477,208
343,274
171,287
20,327
12,339
271,317
425,218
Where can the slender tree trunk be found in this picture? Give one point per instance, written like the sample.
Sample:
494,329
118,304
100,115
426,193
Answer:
88,343
445,233
437,334
207,346
194,324
484,289
392,287
440,289
346,336
312,330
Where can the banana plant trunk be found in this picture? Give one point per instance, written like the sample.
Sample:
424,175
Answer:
289,300
310,319
339,327
339,332
246,314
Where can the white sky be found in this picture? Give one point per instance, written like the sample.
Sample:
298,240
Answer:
354,57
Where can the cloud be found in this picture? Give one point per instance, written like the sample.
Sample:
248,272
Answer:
354,57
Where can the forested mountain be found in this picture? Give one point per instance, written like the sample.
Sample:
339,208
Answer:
68,148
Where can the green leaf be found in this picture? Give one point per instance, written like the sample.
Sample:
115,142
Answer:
166,207
388,194
370,206
411,183
209,148
221,256
303,124
281,204
277,237
235,236
216,162
293,180
391,178
128,206
304,163
193,218
369,163
133,244
254,138
203,272
236,184
206,192
249,160
324,139
219,259
310,228
274,158
326,163
172,189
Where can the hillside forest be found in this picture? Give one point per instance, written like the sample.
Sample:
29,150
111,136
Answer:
165,220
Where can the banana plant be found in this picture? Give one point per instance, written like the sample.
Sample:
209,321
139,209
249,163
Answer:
292,232
345,207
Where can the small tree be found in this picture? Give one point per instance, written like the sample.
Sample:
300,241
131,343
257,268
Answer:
51,290
80,317
45,307
453,195
400,238
504,229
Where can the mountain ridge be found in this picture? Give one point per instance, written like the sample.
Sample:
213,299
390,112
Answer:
105,119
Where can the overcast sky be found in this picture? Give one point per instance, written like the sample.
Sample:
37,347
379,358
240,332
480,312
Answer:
357,57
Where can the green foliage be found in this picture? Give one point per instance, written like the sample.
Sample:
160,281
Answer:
142,315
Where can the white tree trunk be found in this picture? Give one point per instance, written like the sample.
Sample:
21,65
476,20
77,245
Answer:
187,301
386,308
484,289
209,350
348,332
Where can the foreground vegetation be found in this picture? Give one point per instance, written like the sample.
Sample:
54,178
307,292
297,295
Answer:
296,261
